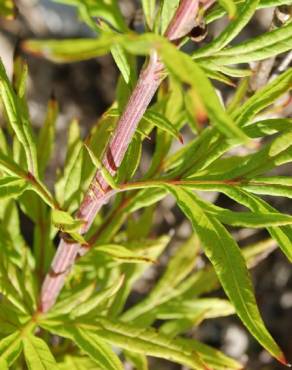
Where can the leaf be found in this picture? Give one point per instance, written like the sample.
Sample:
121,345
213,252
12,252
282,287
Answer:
283,234
69,182
167,12
149,11
37,354
218,11
61,51
121,253
9,290
205,308
12,187
232,30
230,267
274,186
263,98
77,363
268,127
257,252
10,348
258,48
64,221
99,166
96,348
129,337
45,143
214,358
229,6
7,9
3,364
19,120
11,319
131,161
137,359
163,123
97,299
190,73
132,272
122,61
107,9
67,302
243,219
179,266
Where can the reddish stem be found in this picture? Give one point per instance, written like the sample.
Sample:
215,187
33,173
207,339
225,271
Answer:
148,83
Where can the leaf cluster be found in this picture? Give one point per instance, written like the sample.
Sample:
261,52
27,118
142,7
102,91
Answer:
93,316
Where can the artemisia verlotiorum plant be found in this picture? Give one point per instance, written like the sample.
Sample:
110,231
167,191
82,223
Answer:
70,310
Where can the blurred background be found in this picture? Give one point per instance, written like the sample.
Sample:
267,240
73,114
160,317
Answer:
84,90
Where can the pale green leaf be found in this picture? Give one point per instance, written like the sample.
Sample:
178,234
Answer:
37,354
77,363
179,266
10,348
7,9
263,98
122,254
167,12
205,308
214,358
230,267
162,122
99,166
12,187
97,299
61,51
149,11
18,119
69,182
45,143
218,11
129,337
258,48
229,6
64,221
97,349
122,61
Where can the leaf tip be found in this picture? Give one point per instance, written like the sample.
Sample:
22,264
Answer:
282,359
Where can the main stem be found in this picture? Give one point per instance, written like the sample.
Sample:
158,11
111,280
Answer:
96,196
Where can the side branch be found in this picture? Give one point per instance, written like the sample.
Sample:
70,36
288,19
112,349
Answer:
147,85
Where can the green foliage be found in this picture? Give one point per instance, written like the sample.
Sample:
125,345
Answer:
7,9
95,324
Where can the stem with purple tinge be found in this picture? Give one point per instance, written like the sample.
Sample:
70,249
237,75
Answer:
96,196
